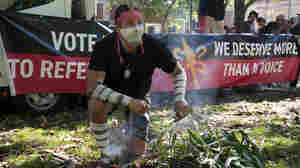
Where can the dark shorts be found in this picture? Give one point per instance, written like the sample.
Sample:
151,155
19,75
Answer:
212,8
203,8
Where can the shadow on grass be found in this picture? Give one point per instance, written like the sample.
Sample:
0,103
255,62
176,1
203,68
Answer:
22,154
37,163
64,120
279,139
289,153
12,120
20,147
11,149
255,96
281,142
199,97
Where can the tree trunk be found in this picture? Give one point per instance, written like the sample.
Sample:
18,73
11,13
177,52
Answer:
239,11
164,23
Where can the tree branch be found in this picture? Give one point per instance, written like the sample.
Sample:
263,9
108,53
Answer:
165,17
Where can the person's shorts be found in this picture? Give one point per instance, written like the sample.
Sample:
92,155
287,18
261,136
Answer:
203,8
212,8
136,125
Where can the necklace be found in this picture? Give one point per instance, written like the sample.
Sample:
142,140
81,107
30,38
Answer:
127,72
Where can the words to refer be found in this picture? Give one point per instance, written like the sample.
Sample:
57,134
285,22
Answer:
48,69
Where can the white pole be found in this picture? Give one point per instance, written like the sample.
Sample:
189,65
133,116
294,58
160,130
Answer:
7,70
290,9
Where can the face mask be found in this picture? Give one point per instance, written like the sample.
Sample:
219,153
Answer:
133,35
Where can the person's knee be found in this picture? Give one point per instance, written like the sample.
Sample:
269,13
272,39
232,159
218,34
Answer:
141,122
98,110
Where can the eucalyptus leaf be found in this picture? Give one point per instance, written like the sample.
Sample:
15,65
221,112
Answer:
229,160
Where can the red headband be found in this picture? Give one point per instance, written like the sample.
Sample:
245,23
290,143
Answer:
131,14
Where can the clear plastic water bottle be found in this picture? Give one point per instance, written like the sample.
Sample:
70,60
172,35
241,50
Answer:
118,150
118,141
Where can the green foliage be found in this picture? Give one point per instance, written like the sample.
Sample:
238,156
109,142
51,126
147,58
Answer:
28,141
161,8
219,149
147,7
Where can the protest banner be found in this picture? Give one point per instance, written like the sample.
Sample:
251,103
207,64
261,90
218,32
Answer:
51,55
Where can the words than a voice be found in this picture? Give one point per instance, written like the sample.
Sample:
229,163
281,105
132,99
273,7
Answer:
255,49
247,69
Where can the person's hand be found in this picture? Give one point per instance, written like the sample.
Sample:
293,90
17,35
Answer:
181,109
138,106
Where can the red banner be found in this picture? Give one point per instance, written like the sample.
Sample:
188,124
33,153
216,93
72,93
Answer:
231,72
57,74
51,55
48,74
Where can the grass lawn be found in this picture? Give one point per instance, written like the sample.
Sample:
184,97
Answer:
48,141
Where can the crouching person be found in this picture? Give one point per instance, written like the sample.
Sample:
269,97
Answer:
120,76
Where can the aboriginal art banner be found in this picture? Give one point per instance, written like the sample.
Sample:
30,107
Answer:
50,55
218,61
222,61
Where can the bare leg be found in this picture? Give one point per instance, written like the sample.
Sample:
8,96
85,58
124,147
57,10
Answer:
210,24
138,145
220,27
98,111
140,148
98,115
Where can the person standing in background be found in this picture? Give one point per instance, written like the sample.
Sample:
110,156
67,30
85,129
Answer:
211,15
283,22
261,24
295,31
252,21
